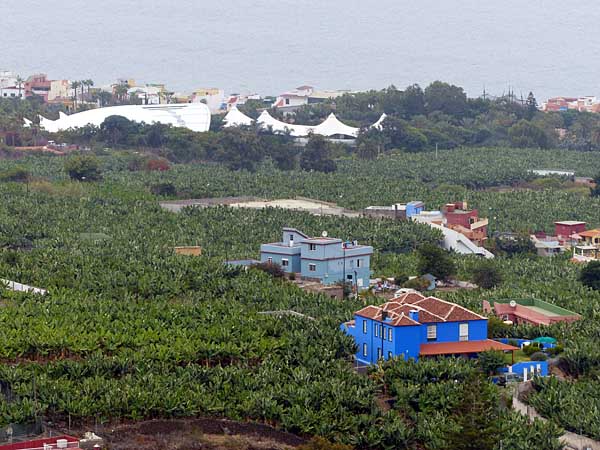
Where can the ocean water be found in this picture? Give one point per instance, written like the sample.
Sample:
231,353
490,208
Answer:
267,46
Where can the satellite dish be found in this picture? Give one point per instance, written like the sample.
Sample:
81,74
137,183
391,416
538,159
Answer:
513,304
324,234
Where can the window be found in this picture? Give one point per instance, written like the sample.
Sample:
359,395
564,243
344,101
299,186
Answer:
291,237
390,334
379,353
287,101
349,277
312,247
463,332
312,267
270,260
285,262
390,356
376,329
431,332
359,263
364,349
364,326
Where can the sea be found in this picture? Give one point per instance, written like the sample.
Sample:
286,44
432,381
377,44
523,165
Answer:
549,47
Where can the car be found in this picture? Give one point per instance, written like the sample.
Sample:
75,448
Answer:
507,378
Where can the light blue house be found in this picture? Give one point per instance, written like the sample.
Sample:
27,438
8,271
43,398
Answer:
328,260
414,326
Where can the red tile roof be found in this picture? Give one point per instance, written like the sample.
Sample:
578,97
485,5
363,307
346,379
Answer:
430,310
459,348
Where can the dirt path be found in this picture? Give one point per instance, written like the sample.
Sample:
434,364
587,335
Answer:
198,434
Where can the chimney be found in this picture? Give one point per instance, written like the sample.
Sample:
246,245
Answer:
414,315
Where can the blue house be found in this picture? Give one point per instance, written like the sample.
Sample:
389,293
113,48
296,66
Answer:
328,260
414,326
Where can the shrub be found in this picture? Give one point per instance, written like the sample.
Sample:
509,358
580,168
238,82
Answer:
272,269
158,164
539,356
399,280
486,275
590,275
17,174
292,276
83,168
531,348
419,284
164,189
490,361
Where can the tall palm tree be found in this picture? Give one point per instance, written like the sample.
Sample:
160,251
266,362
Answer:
19,82
89,83
75,85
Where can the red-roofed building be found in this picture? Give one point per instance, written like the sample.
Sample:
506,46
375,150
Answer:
58,442
412,326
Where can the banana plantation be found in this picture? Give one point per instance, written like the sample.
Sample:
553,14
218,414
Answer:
131,331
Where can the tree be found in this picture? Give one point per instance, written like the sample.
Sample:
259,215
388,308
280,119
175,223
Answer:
436,261
83,168
514,245
237,148
490,361
399,134
476,417
446,98
531,105
590,275
275,270
526,134
486,275
116,130
19,81
317,155
370,143
595,191
75,85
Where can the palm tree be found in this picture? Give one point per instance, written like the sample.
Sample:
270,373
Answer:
89,83
75,85
121,92
19,82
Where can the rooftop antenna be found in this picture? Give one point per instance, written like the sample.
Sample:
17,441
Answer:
324,234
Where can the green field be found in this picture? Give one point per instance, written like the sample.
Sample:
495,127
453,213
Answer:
131,331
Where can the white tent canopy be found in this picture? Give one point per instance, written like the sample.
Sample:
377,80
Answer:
236,118
195,116
332,126
266,121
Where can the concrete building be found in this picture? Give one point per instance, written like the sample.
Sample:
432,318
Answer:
328,260
589,247
214,98
466,221
400,211
290,101
414,326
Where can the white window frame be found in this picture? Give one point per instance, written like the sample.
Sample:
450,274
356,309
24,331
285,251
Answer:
312,267
379,353
463,331
376,329
285,262
390,355
365,350
389,333
432,332
312,247
358,263
364,326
